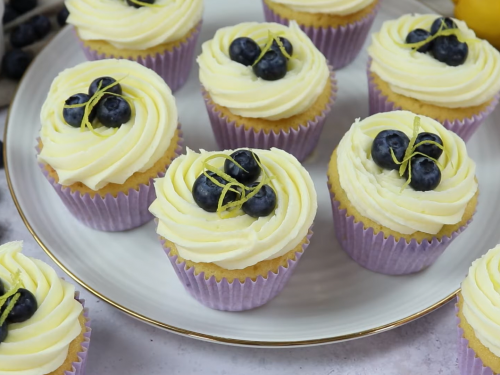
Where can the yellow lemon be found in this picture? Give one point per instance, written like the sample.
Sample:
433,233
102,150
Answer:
482,16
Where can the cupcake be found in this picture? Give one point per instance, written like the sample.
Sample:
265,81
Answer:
478,312
234,224
159,34
44,329
337,27
266,85
402,188
435,67
108,128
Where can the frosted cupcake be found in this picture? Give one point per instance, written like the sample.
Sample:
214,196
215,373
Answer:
479,317
44,329
234,224
395,212
108,128
159,34
337,27
266,85
434,67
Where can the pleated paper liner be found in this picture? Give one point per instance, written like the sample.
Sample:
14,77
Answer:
78,368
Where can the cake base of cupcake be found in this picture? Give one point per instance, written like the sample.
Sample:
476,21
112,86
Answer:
78,349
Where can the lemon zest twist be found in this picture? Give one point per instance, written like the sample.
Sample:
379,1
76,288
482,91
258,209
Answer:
270,39
16,285
143,4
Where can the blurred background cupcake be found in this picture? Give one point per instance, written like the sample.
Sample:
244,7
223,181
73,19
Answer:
102,154
454,82
159,34
479,317
262,97
382,222
337,27
246,245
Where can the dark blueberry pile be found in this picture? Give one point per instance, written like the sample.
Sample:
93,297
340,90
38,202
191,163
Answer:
207,194
271,66
445,48
425,174
111,110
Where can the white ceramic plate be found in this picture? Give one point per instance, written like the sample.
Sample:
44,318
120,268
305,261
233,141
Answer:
330,298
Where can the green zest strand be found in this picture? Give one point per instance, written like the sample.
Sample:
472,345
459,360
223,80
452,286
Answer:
270,39
137,2
9,308
16,285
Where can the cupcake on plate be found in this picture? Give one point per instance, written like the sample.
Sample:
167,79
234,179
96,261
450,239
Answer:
108,128
234,224
159,34
337,27
478,312
44,329
266,85
402,188
435,67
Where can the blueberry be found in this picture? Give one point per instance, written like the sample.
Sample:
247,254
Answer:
425,174
246,159
15,62
74,116
24,308
23,6
419,35
142,1
429,149
286,43
3,332
62,16
448,24
262,203
271,67
9,15
105,81
2,287
449,50
382,144
23,35
42,26
244,51
113,111
206,194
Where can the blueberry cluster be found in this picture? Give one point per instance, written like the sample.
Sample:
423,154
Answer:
425,174
137,3
242,166
445,48
270,64
112,110
24,308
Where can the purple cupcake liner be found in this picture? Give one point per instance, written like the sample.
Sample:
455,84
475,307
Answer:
173,66
463,128
110,214
340,45
468,362
78,368
236,295
385,255
298,142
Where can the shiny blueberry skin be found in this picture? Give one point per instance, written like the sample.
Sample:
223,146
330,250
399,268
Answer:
24,308
74,116
206,194
448,24
271,67
286,43
142,1
42,25
244,51
105,81
419,35
62,16
429,149
382,144
246,159
113,111
425,174
2,288
9,15
15,62
23,35
3,331
449,50
23,6
261,204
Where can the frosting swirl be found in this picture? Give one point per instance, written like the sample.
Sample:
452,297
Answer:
236,87
135,147
337,7
241,241
39,345
126,27
376,192
481,295
420,76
